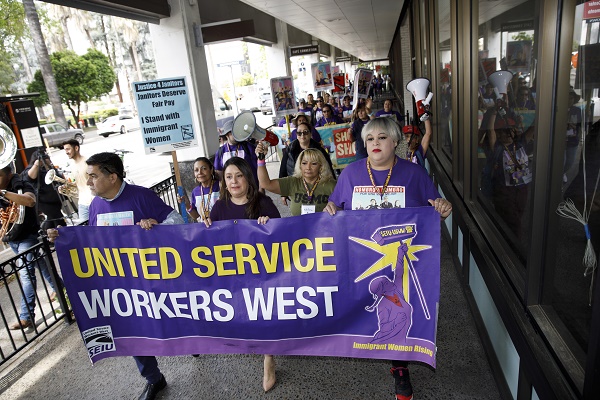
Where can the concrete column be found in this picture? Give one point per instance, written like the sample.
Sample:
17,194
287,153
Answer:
178,52
332,52
278,60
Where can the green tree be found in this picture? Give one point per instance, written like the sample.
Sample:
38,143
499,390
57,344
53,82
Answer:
41,50
79,79
245,80
522,36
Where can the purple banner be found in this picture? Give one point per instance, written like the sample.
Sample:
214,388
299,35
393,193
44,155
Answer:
358,284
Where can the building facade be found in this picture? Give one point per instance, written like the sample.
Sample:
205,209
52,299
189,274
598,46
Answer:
525,225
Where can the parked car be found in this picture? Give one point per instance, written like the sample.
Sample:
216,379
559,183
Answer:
118,124
56,134
266,103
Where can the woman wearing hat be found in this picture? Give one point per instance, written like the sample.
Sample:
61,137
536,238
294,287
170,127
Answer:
302,118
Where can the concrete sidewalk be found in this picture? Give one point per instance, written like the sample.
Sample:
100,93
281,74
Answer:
58,368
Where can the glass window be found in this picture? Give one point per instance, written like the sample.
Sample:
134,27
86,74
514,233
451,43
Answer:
507,40
444,90
570,294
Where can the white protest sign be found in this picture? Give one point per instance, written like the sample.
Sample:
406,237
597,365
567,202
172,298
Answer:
165,118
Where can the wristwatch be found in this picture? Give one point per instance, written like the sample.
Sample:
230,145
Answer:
3,193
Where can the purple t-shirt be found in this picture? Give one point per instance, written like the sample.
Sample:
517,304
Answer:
391,114
143,202
243,150
329,121
409,186
223,211
414,158
199,191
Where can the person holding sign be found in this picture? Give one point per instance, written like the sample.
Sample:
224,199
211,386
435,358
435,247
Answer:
119,203
310,185
385,175
241,199
206,194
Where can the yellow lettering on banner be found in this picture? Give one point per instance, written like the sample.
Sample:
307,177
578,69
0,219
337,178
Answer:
77,264
118,263
130,252
210,267
249,258
146,263
220,260
164,263
285,254
320,254
103,260
296,255
269,263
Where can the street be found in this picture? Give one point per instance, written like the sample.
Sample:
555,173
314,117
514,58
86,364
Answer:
143,169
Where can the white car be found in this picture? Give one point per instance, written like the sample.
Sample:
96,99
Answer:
118,124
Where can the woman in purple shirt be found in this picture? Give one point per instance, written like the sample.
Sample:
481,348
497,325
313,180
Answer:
241,199
206,194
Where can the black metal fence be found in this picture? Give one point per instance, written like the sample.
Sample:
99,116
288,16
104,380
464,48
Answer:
50,306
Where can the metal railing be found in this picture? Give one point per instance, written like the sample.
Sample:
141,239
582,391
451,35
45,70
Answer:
49,310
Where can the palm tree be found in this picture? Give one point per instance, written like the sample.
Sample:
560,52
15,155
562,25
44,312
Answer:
44,60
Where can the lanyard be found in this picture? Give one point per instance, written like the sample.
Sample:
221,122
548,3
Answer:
206,205
387,180
311,191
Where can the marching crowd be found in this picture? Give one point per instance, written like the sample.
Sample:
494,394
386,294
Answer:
232,186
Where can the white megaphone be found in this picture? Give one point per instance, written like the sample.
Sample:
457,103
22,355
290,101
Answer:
244,127
418,88
500,81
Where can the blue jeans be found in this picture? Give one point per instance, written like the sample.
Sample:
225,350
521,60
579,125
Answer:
148,367
28,278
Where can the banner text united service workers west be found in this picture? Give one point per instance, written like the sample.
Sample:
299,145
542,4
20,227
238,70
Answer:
358,284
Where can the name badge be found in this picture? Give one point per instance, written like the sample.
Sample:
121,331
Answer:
308,209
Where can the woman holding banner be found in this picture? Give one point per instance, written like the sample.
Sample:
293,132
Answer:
206,194
241,199
401,181
310,185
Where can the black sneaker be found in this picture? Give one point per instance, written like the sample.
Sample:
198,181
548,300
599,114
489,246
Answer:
404,389
152,389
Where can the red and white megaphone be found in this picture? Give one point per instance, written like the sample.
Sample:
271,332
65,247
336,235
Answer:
244,127
418,88
500,81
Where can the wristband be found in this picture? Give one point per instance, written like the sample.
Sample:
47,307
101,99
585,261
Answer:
261,163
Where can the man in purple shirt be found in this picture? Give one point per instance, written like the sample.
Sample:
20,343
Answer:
118,202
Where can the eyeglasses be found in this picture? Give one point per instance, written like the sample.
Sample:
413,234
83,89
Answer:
302,133
319,101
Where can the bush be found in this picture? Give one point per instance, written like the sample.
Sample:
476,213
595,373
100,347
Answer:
109,112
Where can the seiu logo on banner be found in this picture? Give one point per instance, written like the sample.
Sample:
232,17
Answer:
358,284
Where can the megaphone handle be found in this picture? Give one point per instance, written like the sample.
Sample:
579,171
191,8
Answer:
261,155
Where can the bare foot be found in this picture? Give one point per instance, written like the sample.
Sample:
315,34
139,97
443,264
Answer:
269,373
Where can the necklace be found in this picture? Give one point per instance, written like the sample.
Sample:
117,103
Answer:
310,192
231,151
206,205
387,180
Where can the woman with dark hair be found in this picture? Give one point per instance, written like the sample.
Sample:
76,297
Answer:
241,199
360,117
206,194
329,117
